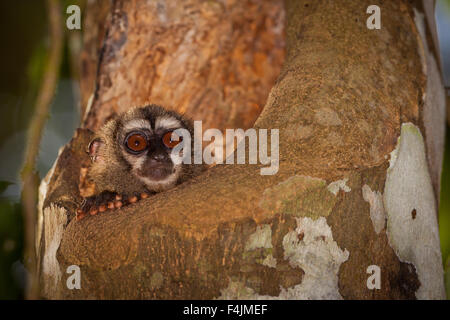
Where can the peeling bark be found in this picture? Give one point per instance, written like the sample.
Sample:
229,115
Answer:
342,97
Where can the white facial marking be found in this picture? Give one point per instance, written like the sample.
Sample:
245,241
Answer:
137,124
167,122
136,161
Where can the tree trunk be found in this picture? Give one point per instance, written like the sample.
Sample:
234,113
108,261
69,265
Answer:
361,117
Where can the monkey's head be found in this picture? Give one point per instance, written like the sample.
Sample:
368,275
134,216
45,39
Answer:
137,147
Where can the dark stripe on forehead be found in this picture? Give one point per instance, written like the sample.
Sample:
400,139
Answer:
154,112
151,113
152,122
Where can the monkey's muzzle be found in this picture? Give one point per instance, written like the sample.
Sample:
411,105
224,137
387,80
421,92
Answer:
156,170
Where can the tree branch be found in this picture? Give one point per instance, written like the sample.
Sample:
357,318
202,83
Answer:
30,178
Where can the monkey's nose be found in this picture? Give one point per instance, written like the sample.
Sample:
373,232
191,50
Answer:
157,167
159,157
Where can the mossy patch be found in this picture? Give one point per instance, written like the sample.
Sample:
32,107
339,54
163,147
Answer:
156,280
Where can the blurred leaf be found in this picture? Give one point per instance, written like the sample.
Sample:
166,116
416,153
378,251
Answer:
35,66
444,205
4,185
446,5
11,246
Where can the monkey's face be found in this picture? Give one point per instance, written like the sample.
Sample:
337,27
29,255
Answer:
141,145
147,145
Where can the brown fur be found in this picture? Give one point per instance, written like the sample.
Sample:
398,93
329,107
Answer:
110,170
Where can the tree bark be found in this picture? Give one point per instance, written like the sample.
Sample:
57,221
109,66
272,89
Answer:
361,131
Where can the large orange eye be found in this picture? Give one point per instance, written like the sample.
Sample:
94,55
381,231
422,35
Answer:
136,142
171,139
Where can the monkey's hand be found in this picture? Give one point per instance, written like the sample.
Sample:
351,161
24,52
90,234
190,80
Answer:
104,201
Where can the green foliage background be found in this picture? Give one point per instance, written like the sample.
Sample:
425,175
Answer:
24,31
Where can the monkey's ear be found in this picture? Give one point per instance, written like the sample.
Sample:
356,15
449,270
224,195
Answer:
94,148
